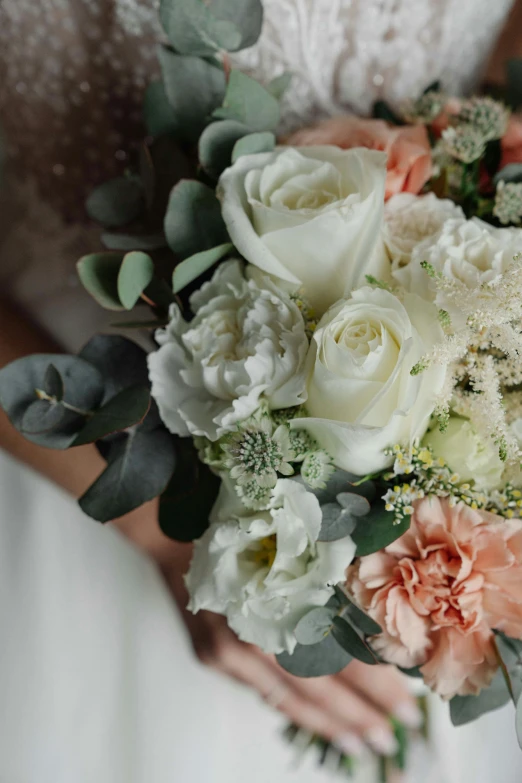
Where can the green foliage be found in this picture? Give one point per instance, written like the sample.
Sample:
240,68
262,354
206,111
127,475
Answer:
383,111
352,642
135,274
377,529
116,202
314,626
510,655
464,709
120,362
216,144
186,503
128,242
518,722
510,173
278,86
340,518
126,409
193,221
248,102
254,143
194,266
46,397
158,114
315,660
198,28
514,82
194,88
98,273
365,624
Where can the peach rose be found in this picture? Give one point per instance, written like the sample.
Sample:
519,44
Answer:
409,155
439,590
512,142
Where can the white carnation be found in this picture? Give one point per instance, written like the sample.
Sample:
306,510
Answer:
264,570
245,345
410,220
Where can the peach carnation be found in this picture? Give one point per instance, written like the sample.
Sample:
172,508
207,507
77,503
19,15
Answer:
439,590
408,148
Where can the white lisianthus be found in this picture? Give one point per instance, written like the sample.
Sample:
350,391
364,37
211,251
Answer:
467,453
410,220
246,345
469,251
362,397
264,570
310,216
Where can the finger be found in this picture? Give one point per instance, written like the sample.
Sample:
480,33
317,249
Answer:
348,710
386,688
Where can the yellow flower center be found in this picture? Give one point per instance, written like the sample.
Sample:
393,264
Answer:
265,555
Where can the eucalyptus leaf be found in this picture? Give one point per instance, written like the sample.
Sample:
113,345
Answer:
193,221
377,529
126,409
135,274
248,102
278,86
194,266
514,82
116,202
216,144
83,389
158,114
194,88
129,242
139,468
186,503
53,383
98,273
315,660
464,709
195,27
510,173
383,111
352,643
363,622
253,144
518,722
120,362
314,626
510,652
340,518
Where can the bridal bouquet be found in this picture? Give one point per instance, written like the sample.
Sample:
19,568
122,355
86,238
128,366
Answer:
332,401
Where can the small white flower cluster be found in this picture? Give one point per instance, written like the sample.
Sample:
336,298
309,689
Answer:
508,203
479,121
425,109
430,475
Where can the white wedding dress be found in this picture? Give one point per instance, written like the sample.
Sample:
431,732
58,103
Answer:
97,680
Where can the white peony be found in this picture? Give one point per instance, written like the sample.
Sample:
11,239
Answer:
310,216
264,570
362,397
245,345
410,220
470,251
467,454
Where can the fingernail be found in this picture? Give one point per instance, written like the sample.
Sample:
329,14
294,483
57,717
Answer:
382,740
408,713
350,744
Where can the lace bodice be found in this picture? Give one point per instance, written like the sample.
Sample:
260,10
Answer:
73,72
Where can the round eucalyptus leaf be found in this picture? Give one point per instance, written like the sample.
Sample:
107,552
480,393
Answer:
464,709
129,242
126,409
248,102
116,202
253,144
135,274
352,643
364,623
315,660
193,221
158,114
83,389
194,266
216,144
194,88
53,383
278,86
377,529
510,173
314,626
120,362
98,273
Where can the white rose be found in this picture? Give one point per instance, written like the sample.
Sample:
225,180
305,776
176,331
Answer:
245,344
361,395
467,454
470,251
312,217
410,220
264,570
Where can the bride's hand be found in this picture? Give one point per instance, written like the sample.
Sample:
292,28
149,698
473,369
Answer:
350,709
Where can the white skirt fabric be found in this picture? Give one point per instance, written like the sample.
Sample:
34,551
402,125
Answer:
98,683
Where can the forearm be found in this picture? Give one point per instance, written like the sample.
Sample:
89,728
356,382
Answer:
76,469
